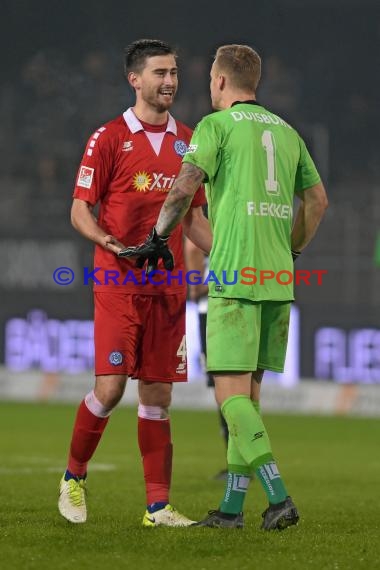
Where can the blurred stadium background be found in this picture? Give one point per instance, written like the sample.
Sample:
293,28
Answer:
62,77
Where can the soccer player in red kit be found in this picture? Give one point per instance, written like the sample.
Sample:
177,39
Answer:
128,167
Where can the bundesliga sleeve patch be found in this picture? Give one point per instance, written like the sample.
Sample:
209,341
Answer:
85,177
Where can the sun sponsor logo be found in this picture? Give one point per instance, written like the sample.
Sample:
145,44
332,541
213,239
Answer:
143,181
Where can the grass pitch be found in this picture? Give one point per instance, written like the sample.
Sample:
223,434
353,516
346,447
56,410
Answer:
331,467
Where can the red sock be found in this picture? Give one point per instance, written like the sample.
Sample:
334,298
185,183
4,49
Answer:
88,430
156,452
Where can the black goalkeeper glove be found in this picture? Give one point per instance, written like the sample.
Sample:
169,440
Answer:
152,250
295,254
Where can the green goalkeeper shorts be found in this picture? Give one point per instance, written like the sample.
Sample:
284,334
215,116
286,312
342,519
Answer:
244,335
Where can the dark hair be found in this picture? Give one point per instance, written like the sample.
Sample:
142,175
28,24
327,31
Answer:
137,52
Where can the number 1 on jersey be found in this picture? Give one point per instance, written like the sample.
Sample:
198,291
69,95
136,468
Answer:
271,184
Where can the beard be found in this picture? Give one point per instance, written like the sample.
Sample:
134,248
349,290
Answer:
155,100
162,107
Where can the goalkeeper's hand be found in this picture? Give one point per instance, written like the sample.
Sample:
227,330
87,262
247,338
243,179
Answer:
152,250
295,254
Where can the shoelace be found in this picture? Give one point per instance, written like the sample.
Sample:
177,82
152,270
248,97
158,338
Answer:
76,492
175,515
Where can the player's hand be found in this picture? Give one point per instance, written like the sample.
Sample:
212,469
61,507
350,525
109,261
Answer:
112,244
295,254
152,250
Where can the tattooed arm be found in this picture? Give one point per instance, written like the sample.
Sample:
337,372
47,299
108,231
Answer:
197,228
174,209
179,198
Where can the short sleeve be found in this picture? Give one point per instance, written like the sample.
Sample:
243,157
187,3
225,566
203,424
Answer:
307,174
95,169
204,148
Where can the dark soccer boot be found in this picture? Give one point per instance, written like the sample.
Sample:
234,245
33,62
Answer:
216,519
280,516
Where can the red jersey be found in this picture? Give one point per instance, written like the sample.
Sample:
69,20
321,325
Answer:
121,170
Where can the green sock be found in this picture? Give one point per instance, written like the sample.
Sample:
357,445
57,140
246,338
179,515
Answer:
247,431
237,481
272,483
234,495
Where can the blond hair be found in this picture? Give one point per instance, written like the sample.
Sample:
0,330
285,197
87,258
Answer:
241,64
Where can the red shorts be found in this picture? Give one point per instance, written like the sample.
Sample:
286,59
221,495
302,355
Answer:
140,335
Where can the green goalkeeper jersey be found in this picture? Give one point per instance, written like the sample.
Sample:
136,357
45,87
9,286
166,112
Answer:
254,162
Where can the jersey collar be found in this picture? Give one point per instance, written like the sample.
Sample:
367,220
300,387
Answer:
248,102
135,126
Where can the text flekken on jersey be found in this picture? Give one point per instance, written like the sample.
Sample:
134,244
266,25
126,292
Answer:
281,211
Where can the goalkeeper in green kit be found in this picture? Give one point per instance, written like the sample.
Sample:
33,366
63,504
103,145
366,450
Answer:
253,163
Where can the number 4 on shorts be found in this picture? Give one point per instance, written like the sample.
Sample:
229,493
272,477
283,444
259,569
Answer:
182,351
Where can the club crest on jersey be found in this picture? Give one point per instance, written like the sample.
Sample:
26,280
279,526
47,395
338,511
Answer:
180,147
85,177
115,358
